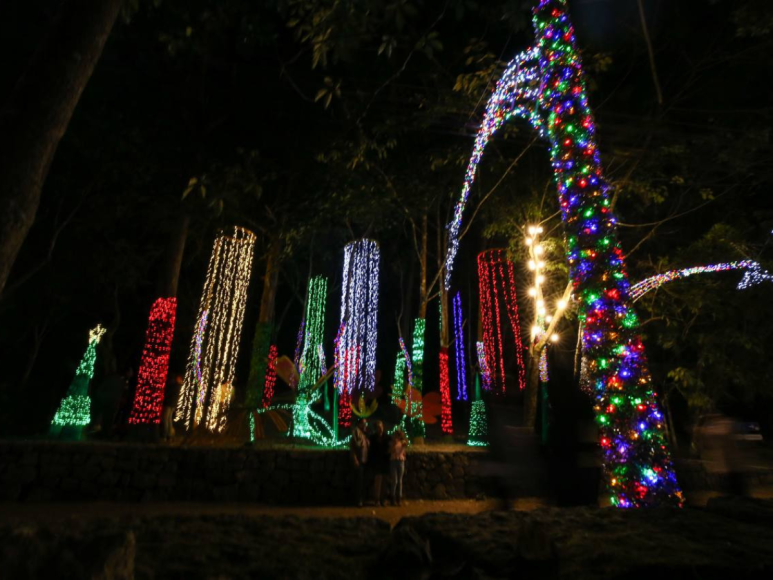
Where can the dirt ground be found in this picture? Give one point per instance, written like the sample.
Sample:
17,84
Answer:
392,515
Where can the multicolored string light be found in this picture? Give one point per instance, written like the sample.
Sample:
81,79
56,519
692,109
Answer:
496,276
515,93
544,377
75,408
206,392
461,370
485,372
654,282
638,467
154,365
359,308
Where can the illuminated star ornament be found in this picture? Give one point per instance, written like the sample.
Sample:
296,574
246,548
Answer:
154,366
551,94
75,409
206,393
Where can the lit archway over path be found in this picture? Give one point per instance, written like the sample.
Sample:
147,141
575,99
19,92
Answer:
546,86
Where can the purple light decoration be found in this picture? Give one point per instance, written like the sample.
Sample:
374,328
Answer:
485,373
461,371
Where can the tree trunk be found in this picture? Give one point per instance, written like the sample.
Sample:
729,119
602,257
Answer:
423,264
35,116
170,275
532,390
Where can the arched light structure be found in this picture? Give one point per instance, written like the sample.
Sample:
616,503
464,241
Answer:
546,85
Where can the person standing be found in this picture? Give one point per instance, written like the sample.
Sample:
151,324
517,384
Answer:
397,447
378,461
359,447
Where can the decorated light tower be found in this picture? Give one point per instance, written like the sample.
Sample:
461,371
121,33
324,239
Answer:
75,409
355,371
311,365
206,393
496,279
546,86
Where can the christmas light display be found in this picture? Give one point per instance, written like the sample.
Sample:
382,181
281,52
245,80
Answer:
312,364
75,408
461,371
154,365
514,94
637,465
477,435
654,282
270,381
496,277
416,369
299,342
543,366
485,372
754,275
356,365
446,420
205,394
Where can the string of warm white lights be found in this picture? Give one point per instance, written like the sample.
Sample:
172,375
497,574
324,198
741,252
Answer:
154,365
496,276
75,408
637,465
359,308
461,370
208,386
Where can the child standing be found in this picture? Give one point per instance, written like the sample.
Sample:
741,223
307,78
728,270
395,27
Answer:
397,448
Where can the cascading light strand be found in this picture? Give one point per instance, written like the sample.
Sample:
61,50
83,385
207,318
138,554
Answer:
154,365
497,278
356,366
461,370
206,393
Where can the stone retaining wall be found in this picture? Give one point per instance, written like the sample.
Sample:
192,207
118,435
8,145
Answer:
50,471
